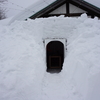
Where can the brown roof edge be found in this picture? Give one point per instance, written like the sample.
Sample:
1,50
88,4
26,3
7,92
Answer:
80,3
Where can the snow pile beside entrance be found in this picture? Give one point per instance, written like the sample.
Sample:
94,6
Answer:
23,73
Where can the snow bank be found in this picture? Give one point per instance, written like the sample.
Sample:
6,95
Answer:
22,60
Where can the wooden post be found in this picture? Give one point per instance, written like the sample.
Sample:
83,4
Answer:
67,7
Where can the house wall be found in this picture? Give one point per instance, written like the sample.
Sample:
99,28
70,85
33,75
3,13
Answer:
74,9
60,10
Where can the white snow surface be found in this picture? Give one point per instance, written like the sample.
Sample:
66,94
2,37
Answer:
32,9
23,73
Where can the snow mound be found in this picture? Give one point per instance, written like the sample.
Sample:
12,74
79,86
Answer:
22,60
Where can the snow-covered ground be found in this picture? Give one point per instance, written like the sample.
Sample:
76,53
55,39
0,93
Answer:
23,73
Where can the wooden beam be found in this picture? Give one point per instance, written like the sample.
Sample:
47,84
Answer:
48,9
67,7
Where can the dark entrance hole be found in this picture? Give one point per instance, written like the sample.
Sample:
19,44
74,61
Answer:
54,56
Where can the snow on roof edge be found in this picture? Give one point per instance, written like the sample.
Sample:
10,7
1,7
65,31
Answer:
34,8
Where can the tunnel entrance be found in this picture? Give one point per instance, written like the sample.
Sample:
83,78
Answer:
54,55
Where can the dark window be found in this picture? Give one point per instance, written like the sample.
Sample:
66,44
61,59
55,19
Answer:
54,55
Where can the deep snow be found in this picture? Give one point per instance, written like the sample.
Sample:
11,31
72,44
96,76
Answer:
23,73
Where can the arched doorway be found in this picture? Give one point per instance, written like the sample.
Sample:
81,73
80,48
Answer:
54,55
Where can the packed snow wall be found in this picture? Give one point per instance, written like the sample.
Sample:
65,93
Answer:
22,60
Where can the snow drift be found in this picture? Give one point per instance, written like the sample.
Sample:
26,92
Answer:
23,73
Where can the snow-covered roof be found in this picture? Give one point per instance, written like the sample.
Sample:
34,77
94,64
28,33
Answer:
32,9
41,4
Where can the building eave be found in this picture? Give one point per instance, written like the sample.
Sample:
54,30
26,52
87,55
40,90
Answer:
91,9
